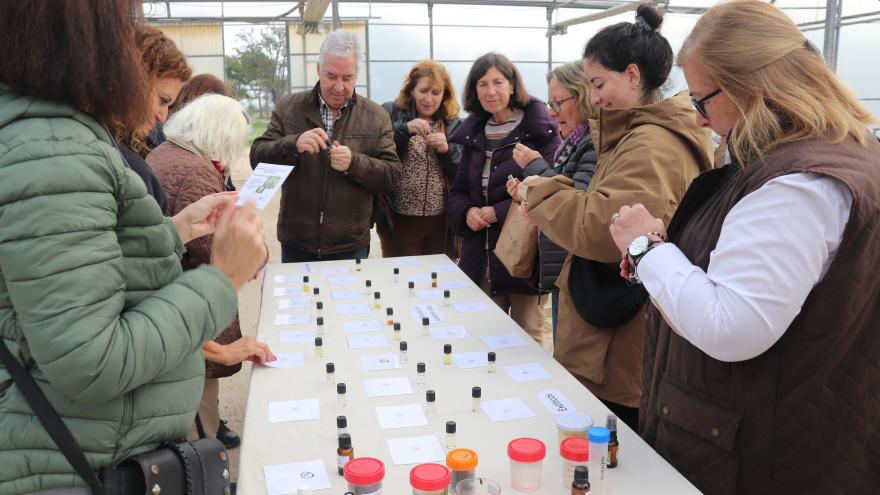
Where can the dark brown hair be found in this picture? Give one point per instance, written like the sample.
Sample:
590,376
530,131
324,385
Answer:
449,108
519,98
78,52
197,86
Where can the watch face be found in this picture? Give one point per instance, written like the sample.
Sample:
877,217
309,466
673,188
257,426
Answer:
638,245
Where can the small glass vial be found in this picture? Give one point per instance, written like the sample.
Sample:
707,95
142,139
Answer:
319,329
492,368
420,374
340,394
357,265
447,354
316,293
450,435
447,298
581,483
341,425
396,328
389,314
305,283
412,288
403,349
613,444
344,453
433,280
476,394
331,372
319,309
319,347
368,284
426,326
430,403
376,303
396,275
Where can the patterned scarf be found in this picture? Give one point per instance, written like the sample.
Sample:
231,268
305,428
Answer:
568,146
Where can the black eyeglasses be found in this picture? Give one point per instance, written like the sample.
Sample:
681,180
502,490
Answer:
557,105
700,104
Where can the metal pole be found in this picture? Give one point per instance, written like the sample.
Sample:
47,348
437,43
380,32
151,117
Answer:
336,23
832,33
367,54
431,30
549,39
287,63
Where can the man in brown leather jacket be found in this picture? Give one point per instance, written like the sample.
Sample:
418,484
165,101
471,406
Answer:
342,147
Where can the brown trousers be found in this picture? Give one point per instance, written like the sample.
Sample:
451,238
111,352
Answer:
209,410
413,236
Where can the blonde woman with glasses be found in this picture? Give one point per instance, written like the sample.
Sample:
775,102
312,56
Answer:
760,370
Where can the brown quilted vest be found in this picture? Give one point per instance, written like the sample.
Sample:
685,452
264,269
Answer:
804,416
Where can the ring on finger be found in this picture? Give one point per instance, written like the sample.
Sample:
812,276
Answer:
614,217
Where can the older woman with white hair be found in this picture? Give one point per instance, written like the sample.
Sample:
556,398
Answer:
203,139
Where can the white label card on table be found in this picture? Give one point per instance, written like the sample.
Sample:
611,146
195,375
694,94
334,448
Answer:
420,311
445,268
341,270
353,309
366,340
406,261
287,291
292,319
450,332
299,303
294,410
556,402
384,387
430,294
471,307
298,337
361,326
526,372
419,278
466,360
379,362
415,450
507,409
401,416
346,295
455,284
263,183
287,360
284,479
342,280
290,279
503,341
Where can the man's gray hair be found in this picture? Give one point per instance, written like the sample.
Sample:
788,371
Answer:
341,43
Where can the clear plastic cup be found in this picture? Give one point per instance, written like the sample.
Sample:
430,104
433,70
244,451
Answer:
429,479
478,486
573,424
526,463
575,451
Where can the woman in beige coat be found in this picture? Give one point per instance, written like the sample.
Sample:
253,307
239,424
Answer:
649,151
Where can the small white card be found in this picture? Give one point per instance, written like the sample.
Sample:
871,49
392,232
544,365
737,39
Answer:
263,183
300,303
287,291
455,284
450,332
470,359
380,362
298,336
292,319
503,341
353,309
471,307
526,372
415,450
366,340
430,294
507,409
420,311
346,295
361,326
406,261
342,280
287,360
384,387
284,479
341,270
556,402
419,278
401,416
289,279
294,410
445,268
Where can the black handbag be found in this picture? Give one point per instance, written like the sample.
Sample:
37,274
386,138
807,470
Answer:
184,468
601,296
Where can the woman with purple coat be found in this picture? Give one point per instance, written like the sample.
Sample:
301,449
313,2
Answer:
502,114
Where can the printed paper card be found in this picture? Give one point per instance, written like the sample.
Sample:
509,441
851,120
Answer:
285,479
294,410
507,409
471,307
450,332
380,362
420,311
416,450
401,416
298,303
287,360
341,270
455,284
292,319
470,359
406,261
263,183
503,341
346,295
430,294
384,387
526,372
425,277
366,340
290,279
287,291
342,280
361,326
556,402
298,337
353,309
444,268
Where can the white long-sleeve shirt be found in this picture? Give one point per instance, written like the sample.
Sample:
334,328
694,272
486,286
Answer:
775,245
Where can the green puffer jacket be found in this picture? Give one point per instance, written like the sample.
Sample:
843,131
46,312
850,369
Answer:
92,299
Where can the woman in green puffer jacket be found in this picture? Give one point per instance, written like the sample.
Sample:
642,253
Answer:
92,298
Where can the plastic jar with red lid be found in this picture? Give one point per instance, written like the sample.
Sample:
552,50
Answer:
575,451
429,479
364,475
526,462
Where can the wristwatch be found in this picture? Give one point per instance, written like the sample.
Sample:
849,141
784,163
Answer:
638,248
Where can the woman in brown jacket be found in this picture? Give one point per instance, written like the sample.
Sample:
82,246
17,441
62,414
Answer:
649,150
203,138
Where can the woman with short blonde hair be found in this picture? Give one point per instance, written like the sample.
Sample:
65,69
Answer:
765,327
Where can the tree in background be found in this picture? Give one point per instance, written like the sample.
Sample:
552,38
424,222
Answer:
260,69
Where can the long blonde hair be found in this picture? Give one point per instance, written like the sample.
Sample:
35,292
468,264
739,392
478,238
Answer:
777,80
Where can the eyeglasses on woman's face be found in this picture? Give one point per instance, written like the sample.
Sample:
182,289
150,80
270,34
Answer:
700,104
556,106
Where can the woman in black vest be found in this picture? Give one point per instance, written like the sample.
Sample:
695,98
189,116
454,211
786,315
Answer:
760,371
